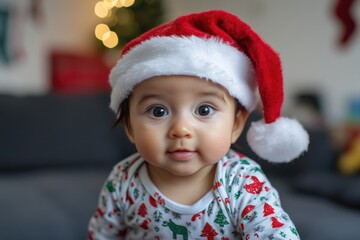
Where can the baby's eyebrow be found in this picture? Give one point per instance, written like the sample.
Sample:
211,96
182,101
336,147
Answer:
146,97
202,94
216,94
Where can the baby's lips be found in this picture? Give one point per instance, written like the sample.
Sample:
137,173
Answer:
181,155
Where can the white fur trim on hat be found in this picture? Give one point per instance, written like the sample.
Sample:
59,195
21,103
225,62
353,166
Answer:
280,141
210,59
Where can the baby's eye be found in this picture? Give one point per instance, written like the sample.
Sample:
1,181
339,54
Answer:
204,110
158,111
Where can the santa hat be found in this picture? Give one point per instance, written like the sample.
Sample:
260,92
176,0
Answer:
217,46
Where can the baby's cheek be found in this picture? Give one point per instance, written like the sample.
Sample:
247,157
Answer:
216,148
147,145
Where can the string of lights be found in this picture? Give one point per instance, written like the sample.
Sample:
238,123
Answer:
103,9
124,20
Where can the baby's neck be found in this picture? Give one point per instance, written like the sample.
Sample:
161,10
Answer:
183,190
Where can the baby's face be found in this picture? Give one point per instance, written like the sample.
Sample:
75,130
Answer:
183,124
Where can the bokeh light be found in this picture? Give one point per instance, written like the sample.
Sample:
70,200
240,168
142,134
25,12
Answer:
101,10
123,20
126,3
100,30
110,39
110,3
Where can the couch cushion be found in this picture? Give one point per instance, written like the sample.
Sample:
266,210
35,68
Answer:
59,130
333,186
52,204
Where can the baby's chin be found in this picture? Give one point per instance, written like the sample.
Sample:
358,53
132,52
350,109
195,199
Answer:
191,172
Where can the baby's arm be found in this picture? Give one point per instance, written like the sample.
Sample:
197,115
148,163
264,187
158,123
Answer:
260,215
107,223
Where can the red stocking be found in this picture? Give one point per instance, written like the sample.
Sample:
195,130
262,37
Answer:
343,12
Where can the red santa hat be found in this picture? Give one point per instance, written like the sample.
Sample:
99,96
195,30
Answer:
219,47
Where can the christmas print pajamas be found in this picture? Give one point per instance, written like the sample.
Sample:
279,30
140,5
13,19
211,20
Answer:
241,205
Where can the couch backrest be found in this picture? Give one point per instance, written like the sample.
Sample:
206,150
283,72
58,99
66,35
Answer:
59,131
69,131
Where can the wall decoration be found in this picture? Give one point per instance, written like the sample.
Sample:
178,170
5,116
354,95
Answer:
343,12
4,34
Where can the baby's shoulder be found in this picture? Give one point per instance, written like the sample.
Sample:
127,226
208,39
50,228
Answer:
128,164
237,163
125,170
238,170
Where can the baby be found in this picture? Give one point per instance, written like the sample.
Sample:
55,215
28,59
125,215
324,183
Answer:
183,92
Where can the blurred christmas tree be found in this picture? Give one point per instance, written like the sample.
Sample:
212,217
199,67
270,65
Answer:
124,20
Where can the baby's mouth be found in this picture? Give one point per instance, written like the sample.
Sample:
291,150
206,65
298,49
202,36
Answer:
181,154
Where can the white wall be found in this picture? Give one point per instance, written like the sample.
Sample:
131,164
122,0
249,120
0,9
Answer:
303,32
65,25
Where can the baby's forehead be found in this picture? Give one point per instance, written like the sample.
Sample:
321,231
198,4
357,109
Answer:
178,81
175,83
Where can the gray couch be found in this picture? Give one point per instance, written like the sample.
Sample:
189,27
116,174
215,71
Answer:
56,152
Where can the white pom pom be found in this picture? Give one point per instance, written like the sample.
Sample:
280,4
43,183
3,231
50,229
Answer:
280,141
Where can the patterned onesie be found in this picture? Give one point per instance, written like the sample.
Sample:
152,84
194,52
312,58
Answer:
241,205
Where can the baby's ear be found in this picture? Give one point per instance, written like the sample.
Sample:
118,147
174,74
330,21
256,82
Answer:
129,132
239,122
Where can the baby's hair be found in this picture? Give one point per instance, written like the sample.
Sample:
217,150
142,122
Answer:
123,113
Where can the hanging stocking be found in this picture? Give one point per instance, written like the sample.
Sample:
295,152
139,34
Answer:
343,13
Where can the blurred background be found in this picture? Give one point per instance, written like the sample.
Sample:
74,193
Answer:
57,144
